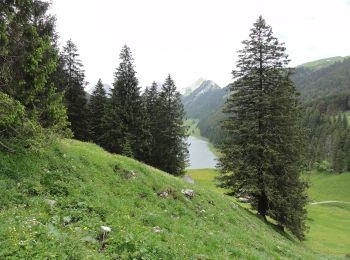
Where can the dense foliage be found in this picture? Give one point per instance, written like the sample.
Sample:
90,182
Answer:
262,154
28,59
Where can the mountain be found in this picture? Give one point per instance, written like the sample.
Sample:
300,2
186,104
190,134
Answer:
326,78
203,100
323,78
188,90
76,201
322,63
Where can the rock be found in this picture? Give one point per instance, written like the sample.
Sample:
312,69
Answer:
51,202
106,229
163,194
188,179
157,229
67,220
244,199
234,206
188,193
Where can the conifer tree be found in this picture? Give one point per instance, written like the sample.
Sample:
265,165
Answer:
151,107
74,94
128,134
263,152
96,110
171,148
28,59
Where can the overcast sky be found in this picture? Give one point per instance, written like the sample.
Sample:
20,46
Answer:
195,38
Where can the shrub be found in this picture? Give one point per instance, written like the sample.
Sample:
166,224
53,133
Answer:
15,127
323,166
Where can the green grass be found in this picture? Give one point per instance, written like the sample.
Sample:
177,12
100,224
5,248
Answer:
206,178
192,127
92,188
329,223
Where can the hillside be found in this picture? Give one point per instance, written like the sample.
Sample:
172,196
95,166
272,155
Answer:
329,233
54,202
322,63
320,79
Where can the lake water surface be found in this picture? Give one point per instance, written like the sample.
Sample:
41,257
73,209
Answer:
200,155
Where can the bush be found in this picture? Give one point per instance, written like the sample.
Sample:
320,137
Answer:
15,127
323,166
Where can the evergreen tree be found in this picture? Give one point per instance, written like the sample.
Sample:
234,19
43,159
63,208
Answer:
171,148
75,96
96,109
151,106
262,155
128,135
28,58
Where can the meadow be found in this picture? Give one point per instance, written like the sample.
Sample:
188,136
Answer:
329,223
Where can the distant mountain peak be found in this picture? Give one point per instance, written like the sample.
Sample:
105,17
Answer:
189,89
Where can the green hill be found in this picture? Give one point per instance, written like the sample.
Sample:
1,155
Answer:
322,63
54,202
323,78
329,221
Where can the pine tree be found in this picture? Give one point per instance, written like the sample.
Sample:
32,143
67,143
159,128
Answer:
74,94
171,149
263,152
126,108
28,58
151,107
96,112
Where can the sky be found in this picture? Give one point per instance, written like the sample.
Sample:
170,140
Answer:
191,39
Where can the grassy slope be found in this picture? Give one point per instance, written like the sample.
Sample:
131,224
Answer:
92,188
329,223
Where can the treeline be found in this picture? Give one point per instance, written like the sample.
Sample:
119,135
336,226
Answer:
42,93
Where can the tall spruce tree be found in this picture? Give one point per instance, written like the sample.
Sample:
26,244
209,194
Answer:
96,112
151,107
74,94
263,153
127,134
171,148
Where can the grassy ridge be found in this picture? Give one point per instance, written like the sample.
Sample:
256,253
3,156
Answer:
329,223
88,187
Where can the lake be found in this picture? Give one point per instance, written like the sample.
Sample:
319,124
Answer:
200,155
